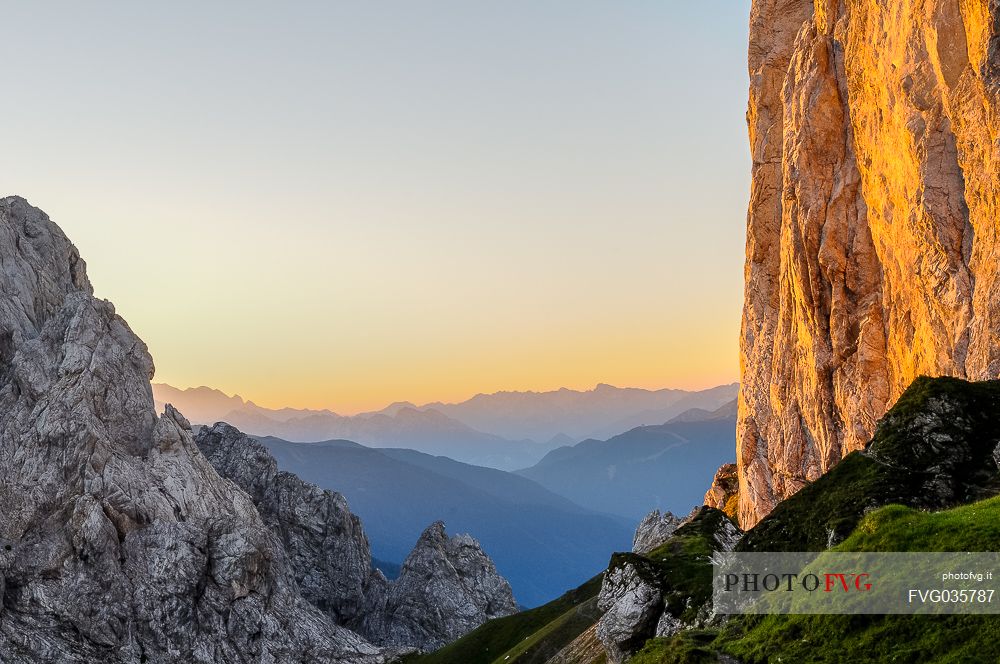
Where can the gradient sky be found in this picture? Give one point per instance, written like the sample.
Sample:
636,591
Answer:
343,204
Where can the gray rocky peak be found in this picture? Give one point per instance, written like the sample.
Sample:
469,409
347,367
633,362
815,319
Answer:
446,588
325,542
118,540
632,605
654,530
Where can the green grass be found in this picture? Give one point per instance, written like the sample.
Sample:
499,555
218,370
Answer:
550,639
832,504
794,638
974,527
860,638
855,638
932,450
693,646
548,626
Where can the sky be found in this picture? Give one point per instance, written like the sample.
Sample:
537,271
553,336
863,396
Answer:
344,204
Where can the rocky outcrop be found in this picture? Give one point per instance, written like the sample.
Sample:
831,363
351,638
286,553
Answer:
118,540
936,448
654,530
325,542
724,494
633,605
658,595
447,587
872,233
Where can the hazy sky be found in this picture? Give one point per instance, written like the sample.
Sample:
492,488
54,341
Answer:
342,204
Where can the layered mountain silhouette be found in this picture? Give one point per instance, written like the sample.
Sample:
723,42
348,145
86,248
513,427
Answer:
598,413
505,430
666,466
399,425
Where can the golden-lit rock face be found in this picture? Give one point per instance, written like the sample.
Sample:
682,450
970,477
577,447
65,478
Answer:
872,236
724,492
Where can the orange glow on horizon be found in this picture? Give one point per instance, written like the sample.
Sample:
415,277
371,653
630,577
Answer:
277,400
427,224
423,379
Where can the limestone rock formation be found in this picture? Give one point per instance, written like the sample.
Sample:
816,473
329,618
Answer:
118,540
660,594
325,542
872,230
654,530
447,587
724,493
633,606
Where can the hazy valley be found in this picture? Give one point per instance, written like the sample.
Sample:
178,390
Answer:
541,542
548,527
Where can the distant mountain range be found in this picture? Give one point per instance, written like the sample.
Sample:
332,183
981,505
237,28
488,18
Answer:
399,425
598,413
667,466
505,430
541,542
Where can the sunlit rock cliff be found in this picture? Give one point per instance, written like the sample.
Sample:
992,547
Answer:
872,244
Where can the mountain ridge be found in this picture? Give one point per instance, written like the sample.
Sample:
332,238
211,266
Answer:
332,562
427,430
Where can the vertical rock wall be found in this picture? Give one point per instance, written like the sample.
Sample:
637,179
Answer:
872,249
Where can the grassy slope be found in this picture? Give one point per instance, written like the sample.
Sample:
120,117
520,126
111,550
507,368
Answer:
974,527
941,432
549,626
550,639
946,425
875,639
694,646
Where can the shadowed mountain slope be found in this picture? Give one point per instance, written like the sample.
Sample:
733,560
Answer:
666,467
541,542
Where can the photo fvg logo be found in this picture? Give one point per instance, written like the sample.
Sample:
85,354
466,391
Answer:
856,582
828,582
